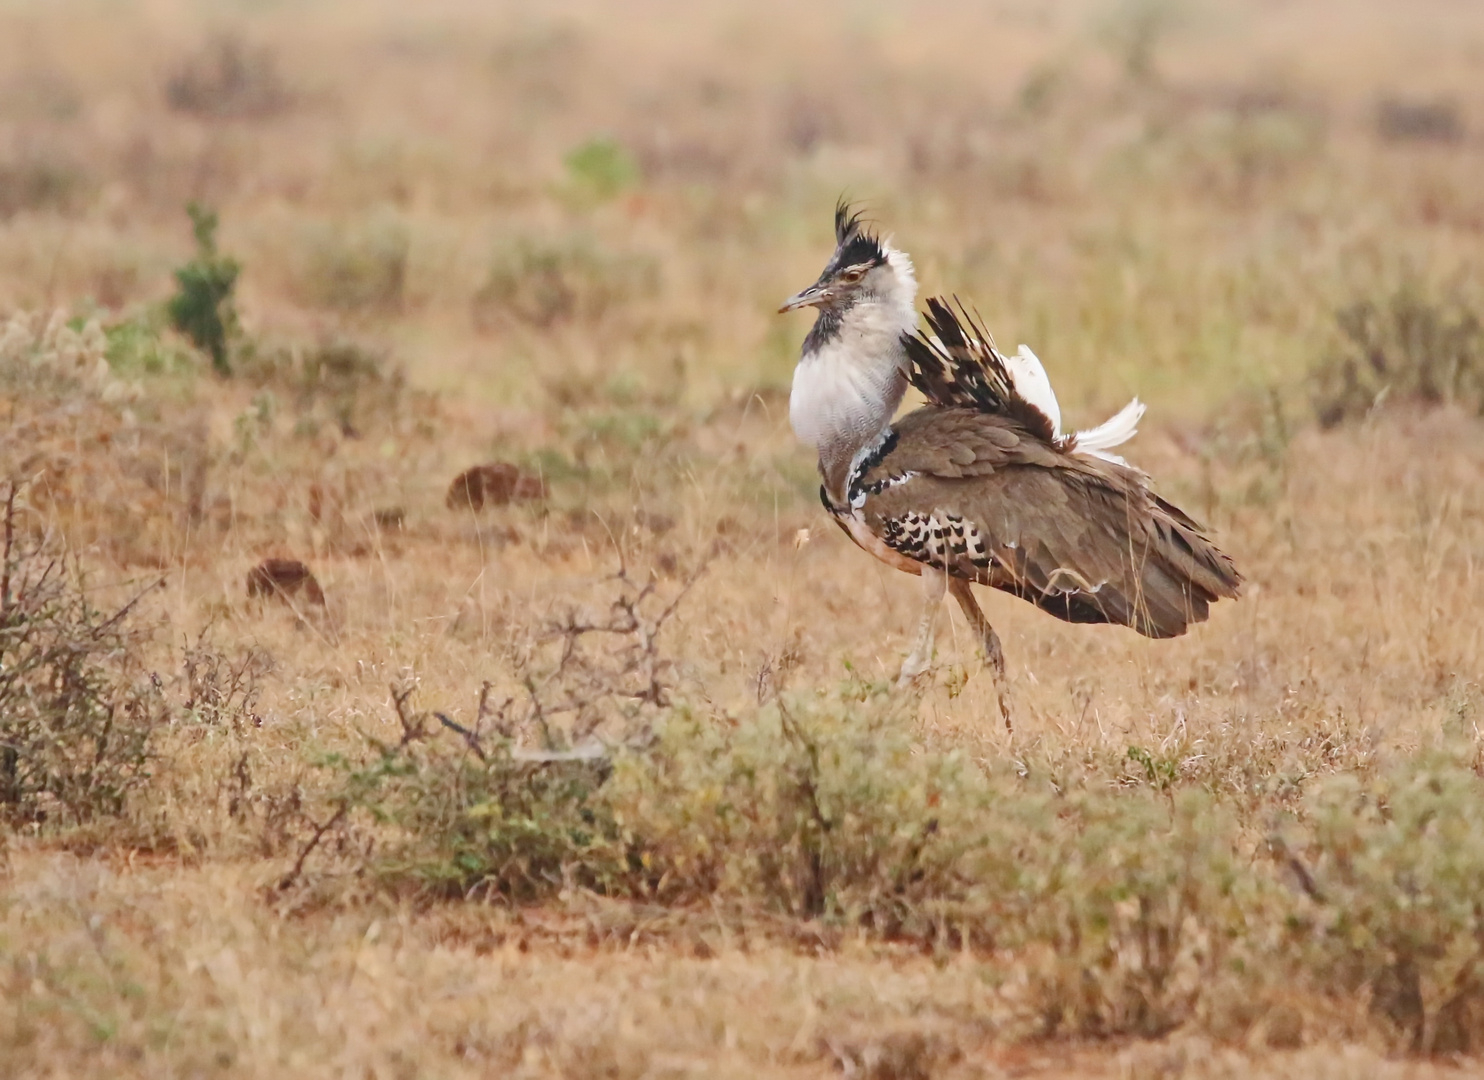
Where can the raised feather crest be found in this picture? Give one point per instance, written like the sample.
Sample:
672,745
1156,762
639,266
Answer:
855,241
958,366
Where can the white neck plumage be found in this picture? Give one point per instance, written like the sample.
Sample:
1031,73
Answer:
853,372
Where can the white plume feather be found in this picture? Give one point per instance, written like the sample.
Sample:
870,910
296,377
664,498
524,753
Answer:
1032,383
1028,376
1115,431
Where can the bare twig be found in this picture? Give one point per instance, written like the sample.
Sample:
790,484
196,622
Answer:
287,881
470,738
11,491
413,724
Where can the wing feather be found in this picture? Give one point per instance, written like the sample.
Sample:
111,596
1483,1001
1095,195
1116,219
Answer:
1084,539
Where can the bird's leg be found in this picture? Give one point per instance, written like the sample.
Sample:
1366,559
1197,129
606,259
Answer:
989,641
934,588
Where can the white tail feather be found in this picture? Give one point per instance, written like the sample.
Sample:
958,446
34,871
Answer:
1033,384
1028,376
1115,431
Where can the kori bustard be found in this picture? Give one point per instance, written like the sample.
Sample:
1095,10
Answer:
980,485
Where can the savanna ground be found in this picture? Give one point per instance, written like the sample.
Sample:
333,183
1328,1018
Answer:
238,841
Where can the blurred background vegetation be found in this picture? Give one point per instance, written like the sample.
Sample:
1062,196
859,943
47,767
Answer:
349,347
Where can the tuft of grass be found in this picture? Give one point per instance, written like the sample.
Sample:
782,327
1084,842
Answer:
544,282
136,347
339,382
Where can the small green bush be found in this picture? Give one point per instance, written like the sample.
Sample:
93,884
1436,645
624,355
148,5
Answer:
601,169
1397,872
202,305
337,381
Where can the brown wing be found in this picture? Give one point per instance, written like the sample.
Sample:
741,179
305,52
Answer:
981,496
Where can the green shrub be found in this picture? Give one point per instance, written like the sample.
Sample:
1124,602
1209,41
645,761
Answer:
1397,873
337,381
601,169
202,305
491,825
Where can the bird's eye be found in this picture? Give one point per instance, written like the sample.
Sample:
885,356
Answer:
854,274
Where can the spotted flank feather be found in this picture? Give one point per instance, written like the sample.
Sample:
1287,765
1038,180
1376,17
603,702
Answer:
943,542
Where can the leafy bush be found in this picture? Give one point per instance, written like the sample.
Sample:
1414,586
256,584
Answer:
1410,346
474,819
76,719
1397,874
202,305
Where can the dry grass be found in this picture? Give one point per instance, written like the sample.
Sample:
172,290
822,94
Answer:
553,238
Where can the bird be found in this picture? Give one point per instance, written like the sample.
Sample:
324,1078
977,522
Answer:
980,485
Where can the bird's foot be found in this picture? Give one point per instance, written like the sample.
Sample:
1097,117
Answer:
914,670
1002,693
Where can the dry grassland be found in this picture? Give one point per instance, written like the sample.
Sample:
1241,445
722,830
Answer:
236,840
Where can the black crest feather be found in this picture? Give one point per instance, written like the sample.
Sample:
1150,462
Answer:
855,243
963,369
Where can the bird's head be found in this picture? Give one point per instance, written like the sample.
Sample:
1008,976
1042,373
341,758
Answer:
862,270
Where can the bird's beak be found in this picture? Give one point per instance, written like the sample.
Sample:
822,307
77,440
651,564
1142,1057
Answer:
813,295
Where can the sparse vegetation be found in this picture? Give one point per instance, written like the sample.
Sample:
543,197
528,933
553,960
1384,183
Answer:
546,282
1411,346
34,183
358,269
77,714
657,824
